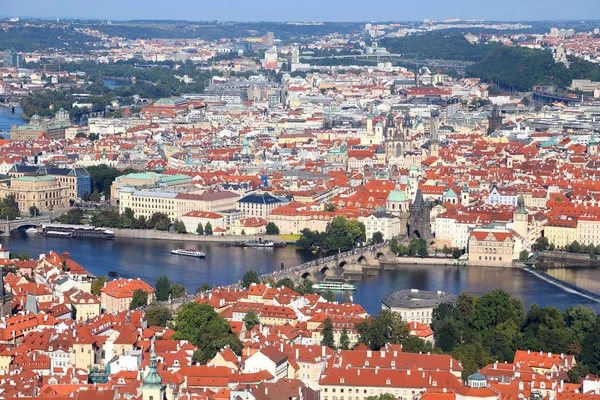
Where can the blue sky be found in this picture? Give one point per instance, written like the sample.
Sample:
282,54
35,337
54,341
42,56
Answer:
305,10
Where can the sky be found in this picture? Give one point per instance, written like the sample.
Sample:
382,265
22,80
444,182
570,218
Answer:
304,10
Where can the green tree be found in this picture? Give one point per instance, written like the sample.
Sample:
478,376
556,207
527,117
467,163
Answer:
541,243
446,250
377,238
178,291
457,253
163,288
140,299
98,284
344,340
343,235
20,256
327,334
272,229
329,207
473,357
402,250
387,327
574,247
158,315
179,226
9,209
577,373
287,282
251,319
95,196
208,229
204,288
200,229
523,255
34,211
413,344
305,287
383,396
249,278
202,326
329,295
552,247
73,217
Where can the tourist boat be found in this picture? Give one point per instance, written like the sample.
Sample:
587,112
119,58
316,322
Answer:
113,273
31,231
72,231
188,252
334,286
261,243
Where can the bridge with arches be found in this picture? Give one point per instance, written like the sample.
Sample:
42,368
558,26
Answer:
7,226
335,266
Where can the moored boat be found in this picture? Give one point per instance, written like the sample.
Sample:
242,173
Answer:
188,252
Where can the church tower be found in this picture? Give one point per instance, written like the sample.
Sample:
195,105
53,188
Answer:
521,220
494,120
465,199
407,132
434,141
593,145
5,298
152,388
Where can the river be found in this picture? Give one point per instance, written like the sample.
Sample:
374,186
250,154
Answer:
8,119
148,259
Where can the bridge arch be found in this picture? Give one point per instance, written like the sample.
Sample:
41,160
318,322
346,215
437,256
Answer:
362,259
325,270
306,275
342,264
380,255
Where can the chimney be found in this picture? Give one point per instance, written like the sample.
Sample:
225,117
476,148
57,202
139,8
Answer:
297,353
323,351
376,370
369,353
266,390
358,372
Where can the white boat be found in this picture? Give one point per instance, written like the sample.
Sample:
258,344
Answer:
334,286
31,231
188,252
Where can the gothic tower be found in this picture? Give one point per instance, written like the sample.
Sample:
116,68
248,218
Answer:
494,120
419,222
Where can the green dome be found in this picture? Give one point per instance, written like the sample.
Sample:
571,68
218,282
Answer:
397,195
413,167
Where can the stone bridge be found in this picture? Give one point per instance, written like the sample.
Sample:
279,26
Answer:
337,266
7,226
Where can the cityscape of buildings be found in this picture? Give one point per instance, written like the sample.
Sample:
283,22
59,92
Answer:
257,137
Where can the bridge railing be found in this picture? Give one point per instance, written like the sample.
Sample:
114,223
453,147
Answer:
325,260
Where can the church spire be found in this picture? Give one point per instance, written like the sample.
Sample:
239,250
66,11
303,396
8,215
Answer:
407,122
152,378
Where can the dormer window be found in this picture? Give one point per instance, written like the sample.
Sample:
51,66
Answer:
388,382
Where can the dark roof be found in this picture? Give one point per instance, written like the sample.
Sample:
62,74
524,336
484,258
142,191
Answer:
414,298
260,198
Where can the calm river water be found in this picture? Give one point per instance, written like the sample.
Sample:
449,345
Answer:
148,259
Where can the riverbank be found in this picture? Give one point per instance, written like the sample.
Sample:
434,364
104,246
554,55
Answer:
558,259
151,234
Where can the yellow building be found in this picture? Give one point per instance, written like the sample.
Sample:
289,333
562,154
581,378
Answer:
588,230
494,247
561,231
44,192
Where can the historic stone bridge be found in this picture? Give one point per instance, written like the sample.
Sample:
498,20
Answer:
336,266
7,226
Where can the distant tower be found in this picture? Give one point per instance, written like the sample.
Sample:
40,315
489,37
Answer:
152,388
494,120
434,141
5,298
398,140
419,222
464,195
520,219
593,144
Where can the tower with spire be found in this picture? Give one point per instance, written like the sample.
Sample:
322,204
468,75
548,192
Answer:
398,139
434,141
521,220
152,388
593,144
5,298
419,222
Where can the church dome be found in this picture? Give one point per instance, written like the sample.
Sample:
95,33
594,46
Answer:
397,195
413,167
